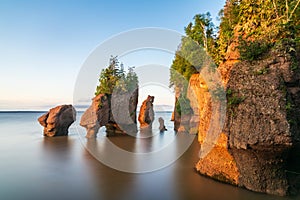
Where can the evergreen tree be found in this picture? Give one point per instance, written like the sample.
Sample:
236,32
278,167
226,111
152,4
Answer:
114,78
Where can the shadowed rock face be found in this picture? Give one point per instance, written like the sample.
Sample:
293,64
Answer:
57,121
116,112
146,115
264,126
162,126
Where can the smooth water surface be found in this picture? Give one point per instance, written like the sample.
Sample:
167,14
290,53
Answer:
36,167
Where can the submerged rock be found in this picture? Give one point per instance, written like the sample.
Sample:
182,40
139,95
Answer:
146,115
57,121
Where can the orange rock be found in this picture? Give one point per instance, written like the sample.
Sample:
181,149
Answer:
146,115
57,120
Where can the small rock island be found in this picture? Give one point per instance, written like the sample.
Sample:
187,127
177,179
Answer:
57,121
115,102
146,115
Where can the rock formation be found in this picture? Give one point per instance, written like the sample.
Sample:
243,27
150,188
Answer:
263,104
182,121
117,112
162,126
176,114
95,116
57,121
146,115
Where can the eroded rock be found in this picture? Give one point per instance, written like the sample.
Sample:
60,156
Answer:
57,121
261,126
117,112
96,115
162,126
146,115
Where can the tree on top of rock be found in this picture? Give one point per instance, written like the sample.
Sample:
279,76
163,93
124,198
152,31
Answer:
114,78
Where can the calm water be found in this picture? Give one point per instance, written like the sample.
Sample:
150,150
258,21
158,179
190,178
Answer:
34,167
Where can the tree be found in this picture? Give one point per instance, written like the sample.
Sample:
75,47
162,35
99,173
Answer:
114,78
194,48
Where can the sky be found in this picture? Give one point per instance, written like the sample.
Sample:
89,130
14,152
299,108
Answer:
43,44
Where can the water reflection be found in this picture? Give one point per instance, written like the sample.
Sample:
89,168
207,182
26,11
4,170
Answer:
107,182
177,181
58,149
35,167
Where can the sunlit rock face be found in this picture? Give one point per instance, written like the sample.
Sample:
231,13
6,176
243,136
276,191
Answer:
57,121
146,115
257,143
117,112
218,163
96,115
231,58
200,101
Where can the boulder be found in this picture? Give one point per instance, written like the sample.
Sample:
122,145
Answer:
162,126
57,121
146,115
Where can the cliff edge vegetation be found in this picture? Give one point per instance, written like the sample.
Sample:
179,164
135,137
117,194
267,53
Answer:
256,51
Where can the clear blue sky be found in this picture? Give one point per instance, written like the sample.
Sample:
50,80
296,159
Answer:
44,43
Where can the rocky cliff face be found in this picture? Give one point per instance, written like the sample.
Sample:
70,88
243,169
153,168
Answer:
254,148
57,121
117,112
264,125
219,162
146,115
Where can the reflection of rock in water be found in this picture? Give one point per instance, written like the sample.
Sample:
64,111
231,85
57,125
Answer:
146,131
57,150
105,180
146,115
117,112
57,121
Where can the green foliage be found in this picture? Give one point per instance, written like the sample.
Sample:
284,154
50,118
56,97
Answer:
253,26
114,78
260,24
194,50
191,56
288,106
252,50
233,99
183,105
262,71
229,19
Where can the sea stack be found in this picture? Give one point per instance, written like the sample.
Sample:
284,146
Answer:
146,115
116,112
57,121
162,126
95,116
